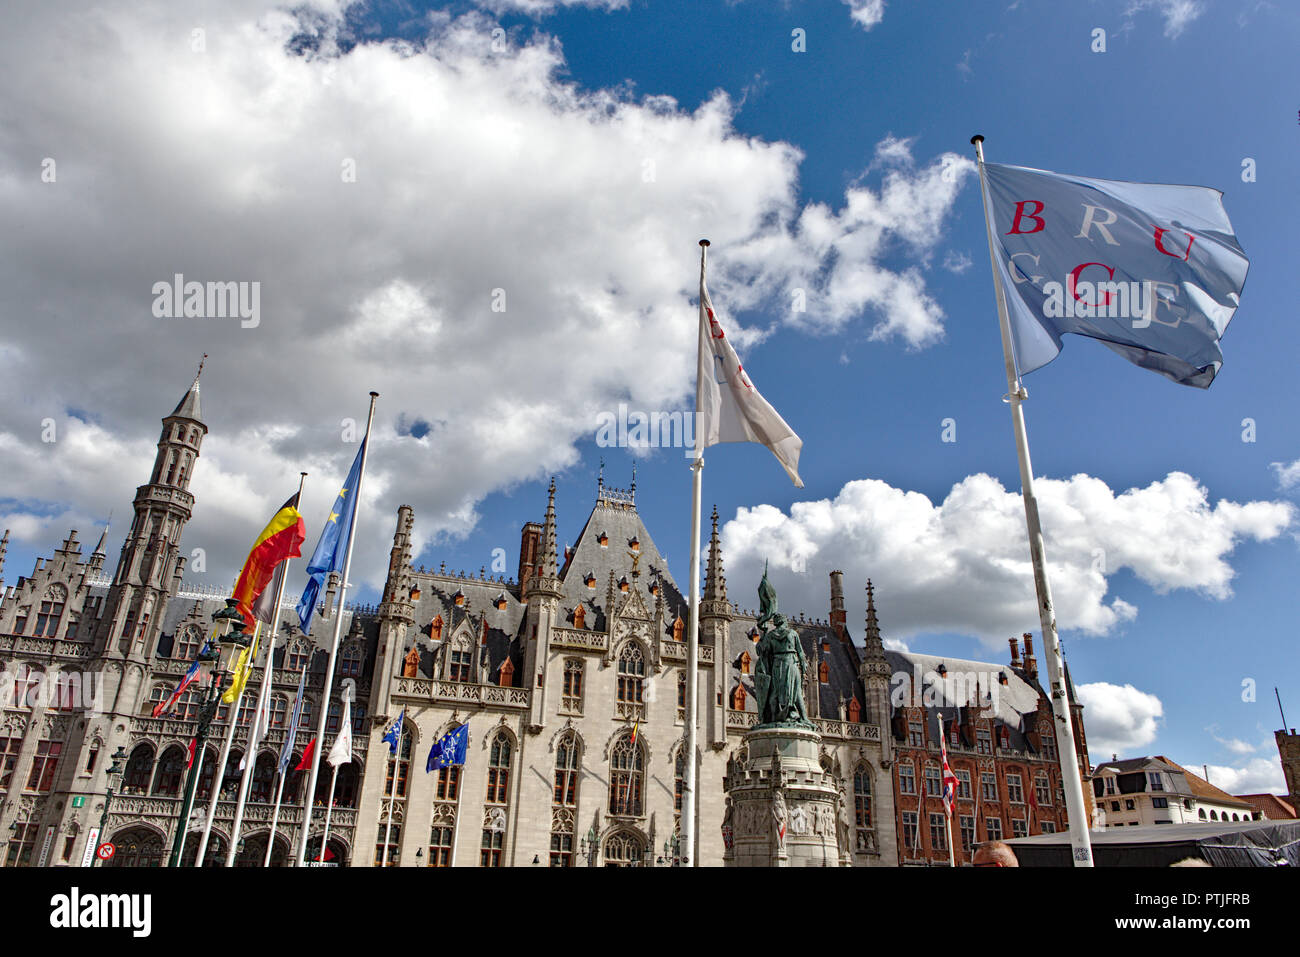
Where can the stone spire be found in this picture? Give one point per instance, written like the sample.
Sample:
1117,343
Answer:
874,664
715,582
188,407
548,575
4,547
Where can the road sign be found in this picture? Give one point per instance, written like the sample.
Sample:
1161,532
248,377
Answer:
106,851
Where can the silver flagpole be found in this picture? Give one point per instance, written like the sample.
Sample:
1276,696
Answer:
334,644
263,695
275,819
329,809
392,792
1016,394
687,842
232,715
947,815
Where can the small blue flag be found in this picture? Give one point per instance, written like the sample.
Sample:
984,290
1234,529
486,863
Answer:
291,736
449,749
331,549
394,734
1151,271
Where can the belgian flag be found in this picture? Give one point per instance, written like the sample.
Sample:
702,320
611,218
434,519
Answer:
281,539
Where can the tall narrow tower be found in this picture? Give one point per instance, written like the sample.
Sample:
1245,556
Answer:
151,565
715,625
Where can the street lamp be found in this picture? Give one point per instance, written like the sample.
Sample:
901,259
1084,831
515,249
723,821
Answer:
211,657
113,771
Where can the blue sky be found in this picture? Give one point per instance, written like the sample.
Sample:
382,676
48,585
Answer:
1184,92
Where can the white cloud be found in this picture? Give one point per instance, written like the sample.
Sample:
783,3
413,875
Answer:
538,7
962,565
1256,776
1119,719
1235,745
476,171
1288,474
866,13
1177,14
956,261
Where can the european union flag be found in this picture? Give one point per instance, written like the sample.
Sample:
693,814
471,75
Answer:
449,749
394,734
332,547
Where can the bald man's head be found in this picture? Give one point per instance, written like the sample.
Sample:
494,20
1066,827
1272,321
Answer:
995,854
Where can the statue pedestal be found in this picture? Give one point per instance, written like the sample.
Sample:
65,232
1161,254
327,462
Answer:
776,779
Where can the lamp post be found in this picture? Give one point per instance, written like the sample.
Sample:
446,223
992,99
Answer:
589,848
113,771
211,655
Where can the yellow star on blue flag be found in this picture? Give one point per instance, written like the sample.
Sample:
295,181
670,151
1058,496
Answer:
331,549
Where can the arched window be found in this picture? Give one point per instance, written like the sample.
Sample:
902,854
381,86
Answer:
460,660
139,770
51,612
171,767
498,797
136,847
187,643
855,709
862,804
27,686
435,628
1201,814
571,700
1214,815
624,850
350,662
738,698
296,655
681,696
679,777
207,774
566,770
499,770
262,788
631,678
171,468
626,776
745,662
579,617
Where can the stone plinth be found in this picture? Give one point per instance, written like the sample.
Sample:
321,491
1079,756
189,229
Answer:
775,779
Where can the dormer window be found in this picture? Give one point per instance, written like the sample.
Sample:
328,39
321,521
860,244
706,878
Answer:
579,617
824,673
622,584
745,662
654,588
678,627
634,545
435,628
458,599
855,709
501,602
753,634
603,540
942,670
590,580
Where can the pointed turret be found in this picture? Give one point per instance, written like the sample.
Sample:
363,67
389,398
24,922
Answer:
99,555
875,668
188,407
715,583
547,583
4,547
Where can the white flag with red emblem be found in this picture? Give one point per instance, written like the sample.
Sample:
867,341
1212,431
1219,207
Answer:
727,406
949,779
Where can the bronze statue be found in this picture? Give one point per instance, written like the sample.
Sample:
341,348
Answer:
779,671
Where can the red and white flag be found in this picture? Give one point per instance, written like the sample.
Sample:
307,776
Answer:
949,779
727,406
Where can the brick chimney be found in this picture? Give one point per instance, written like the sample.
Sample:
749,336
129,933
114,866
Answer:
1031,666
530,556
1015,652
838,618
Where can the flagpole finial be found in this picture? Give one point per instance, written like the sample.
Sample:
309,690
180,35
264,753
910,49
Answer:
705,242
374,395
977,139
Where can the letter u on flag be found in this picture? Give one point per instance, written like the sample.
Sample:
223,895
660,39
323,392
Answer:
1152,271
727,406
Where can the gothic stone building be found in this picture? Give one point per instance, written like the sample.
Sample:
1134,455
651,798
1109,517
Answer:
571,680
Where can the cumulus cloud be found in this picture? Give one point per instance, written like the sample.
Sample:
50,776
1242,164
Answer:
1119,719
1256,776
426,219
1288,474
1235,745
962,565
866,13
1177,14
